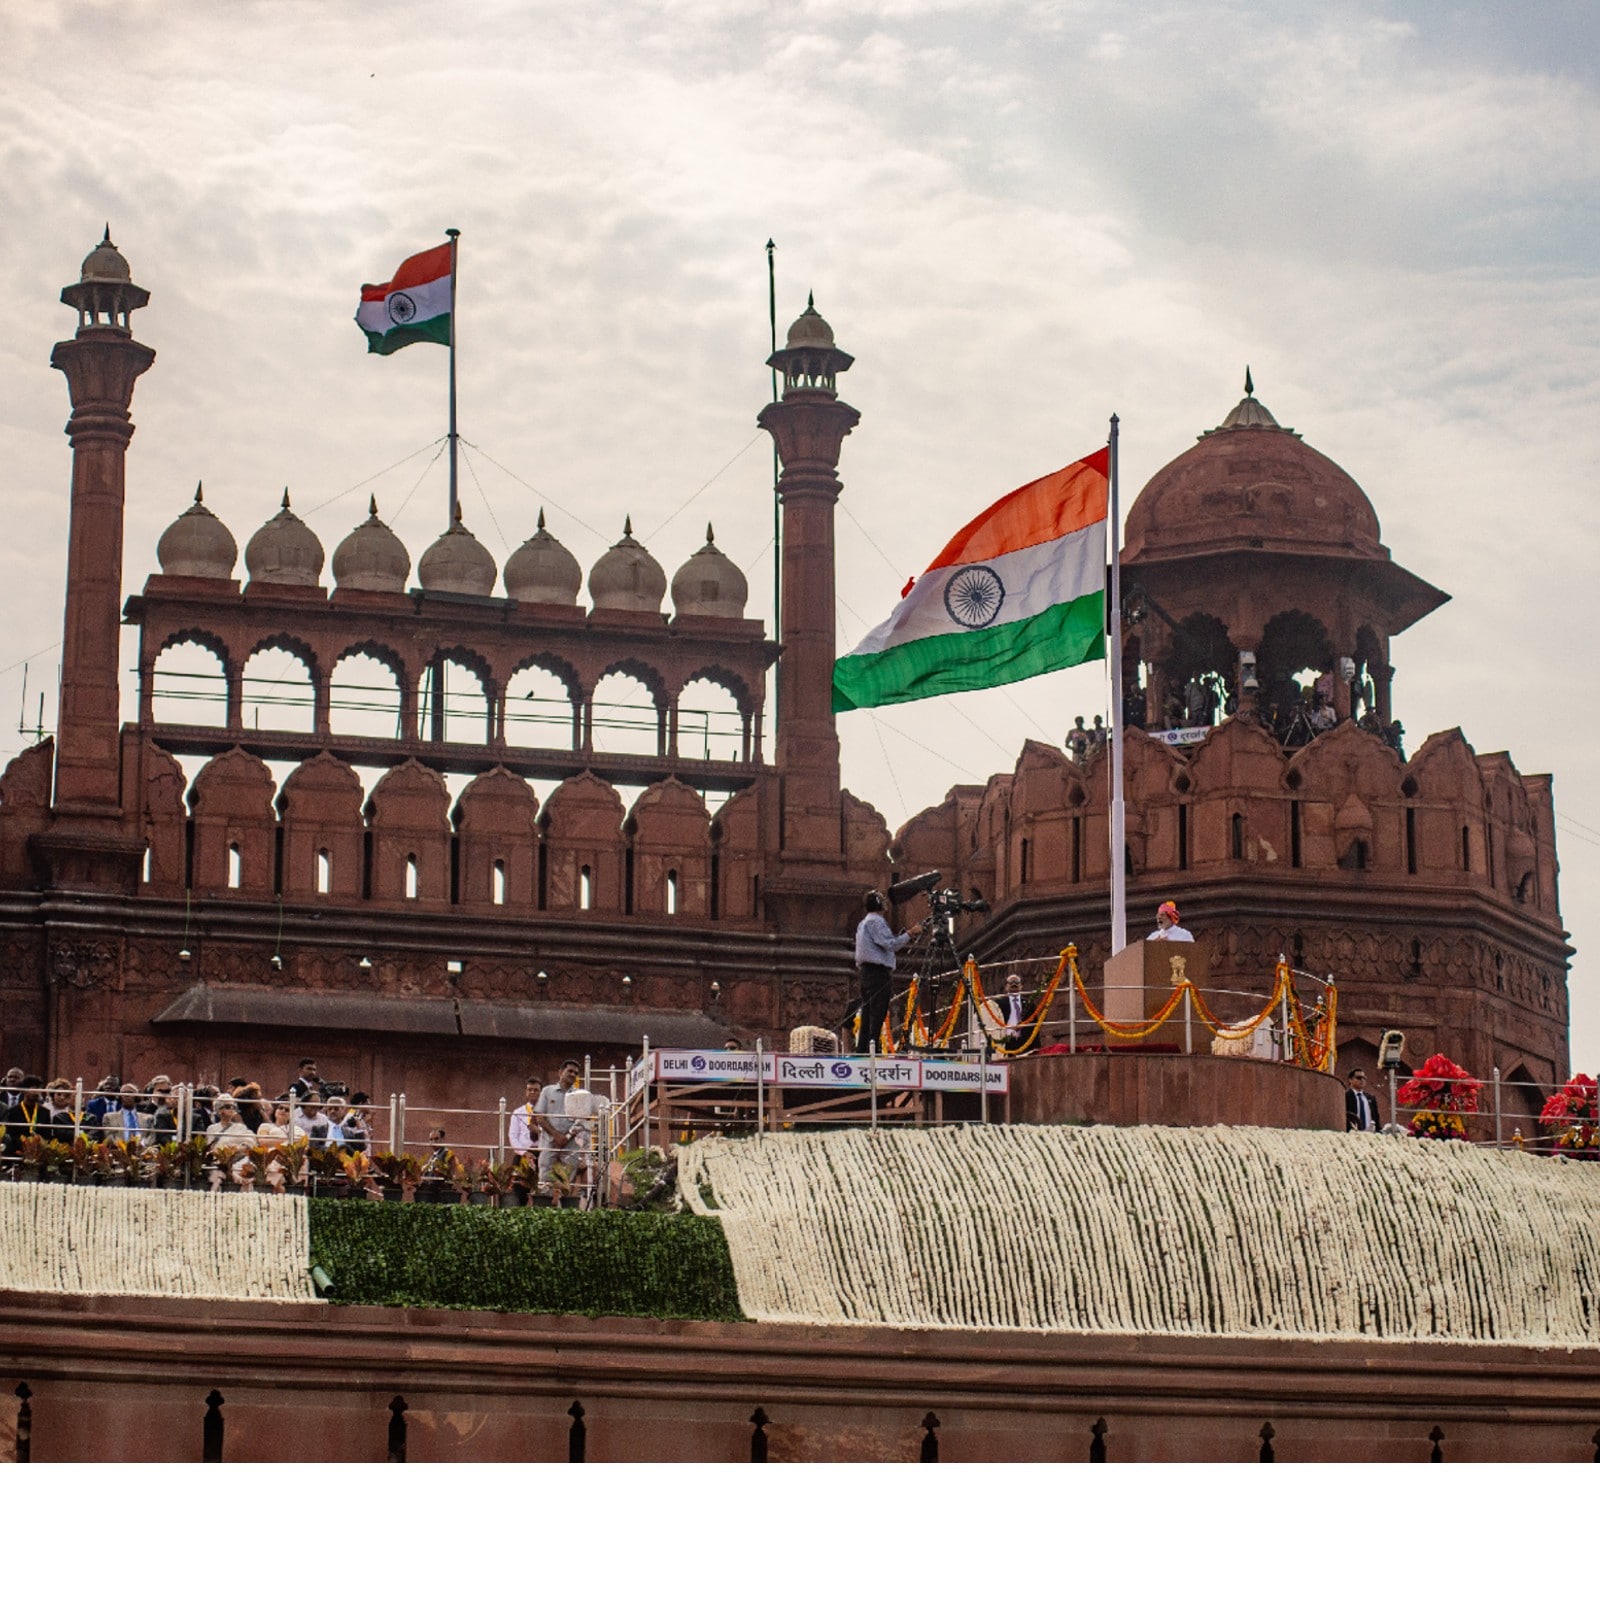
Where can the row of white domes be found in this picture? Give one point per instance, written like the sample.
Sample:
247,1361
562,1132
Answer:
541,570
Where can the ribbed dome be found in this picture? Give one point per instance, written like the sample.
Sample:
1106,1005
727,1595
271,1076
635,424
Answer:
105,263
284,550
543,571
808,331
372,557
708,584
197,545
627,577
1251,484
455,563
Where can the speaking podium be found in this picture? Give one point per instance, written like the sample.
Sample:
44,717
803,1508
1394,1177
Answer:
1139,980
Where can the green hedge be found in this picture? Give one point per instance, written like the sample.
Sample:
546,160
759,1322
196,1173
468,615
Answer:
474,1258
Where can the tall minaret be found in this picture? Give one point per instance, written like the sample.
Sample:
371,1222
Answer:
102,362
809,424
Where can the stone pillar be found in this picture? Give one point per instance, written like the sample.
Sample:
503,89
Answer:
89,842
809,424
101,363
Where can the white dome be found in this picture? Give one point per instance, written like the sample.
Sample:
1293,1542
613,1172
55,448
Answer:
708,584
543,571
371,556
455,563
197,545
284,550
627,577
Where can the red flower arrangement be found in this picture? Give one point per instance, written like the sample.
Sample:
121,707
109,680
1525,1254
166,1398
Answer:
1444,1093
1573,1113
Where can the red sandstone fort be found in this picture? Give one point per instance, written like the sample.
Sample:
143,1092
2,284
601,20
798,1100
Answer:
439,940
238,923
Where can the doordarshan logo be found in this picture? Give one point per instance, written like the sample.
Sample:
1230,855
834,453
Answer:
697,1063
840,1069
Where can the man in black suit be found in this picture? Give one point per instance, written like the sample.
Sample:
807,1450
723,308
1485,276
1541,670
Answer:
1360,1109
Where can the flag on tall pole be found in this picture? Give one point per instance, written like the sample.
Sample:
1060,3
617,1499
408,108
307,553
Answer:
1118,808
418,306
1019,591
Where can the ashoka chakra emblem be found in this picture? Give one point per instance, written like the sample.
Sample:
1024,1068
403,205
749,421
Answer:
973,596
402,308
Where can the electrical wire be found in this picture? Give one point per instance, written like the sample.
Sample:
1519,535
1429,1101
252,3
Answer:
376,475
703,487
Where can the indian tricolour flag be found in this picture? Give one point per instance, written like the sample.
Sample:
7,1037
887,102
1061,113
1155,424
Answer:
413,308
1019,591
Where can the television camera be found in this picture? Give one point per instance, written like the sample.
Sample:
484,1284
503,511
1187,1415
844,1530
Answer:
943,903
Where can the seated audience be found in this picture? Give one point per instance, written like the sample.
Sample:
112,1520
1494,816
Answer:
228,1130
28,1117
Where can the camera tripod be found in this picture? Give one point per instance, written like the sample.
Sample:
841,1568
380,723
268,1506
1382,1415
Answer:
936,961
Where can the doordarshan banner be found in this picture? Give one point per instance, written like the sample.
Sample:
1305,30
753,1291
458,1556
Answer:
827,1072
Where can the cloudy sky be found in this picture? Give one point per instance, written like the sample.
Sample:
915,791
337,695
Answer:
1019,217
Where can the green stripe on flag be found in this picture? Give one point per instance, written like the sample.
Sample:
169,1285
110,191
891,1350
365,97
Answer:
436,330
948,663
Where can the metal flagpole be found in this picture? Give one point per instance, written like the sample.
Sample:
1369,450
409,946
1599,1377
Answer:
1119,856
777,519
453,234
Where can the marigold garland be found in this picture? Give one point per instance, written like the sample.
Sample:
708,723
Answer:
1313,1047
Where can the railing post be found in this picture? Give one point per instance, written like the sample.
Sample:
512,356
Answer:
761,1088
872,1081
1497,1108
394,1120
1394,1099
1288,979
77,1105
402,1110
1188,1019
1072,1013
500,1134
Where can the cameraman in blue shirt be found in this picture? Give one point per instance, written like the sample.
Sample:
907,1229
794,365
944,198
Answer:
876,946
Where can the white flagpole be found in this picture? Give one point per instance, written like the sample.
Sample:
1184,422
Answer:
453,234
1119,879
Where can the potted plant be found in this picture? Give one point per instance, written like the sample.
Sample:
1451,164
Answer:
192,1161
165,1166
1443,1093
397,1174
34,1152
358,1174
494,1180
1572,1113
131,1160
524,1180
80,1158
562,1193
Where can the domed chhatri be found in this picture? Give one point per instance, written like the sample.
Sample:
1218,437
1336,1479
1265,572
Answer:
372,557
455,563
285,551
105,263
1251,484
197,544
542,571
810,359
627,577
809,330
708,584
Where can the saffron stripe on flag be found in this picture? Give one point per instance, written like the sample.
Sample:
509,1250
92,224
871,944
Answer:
424,268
